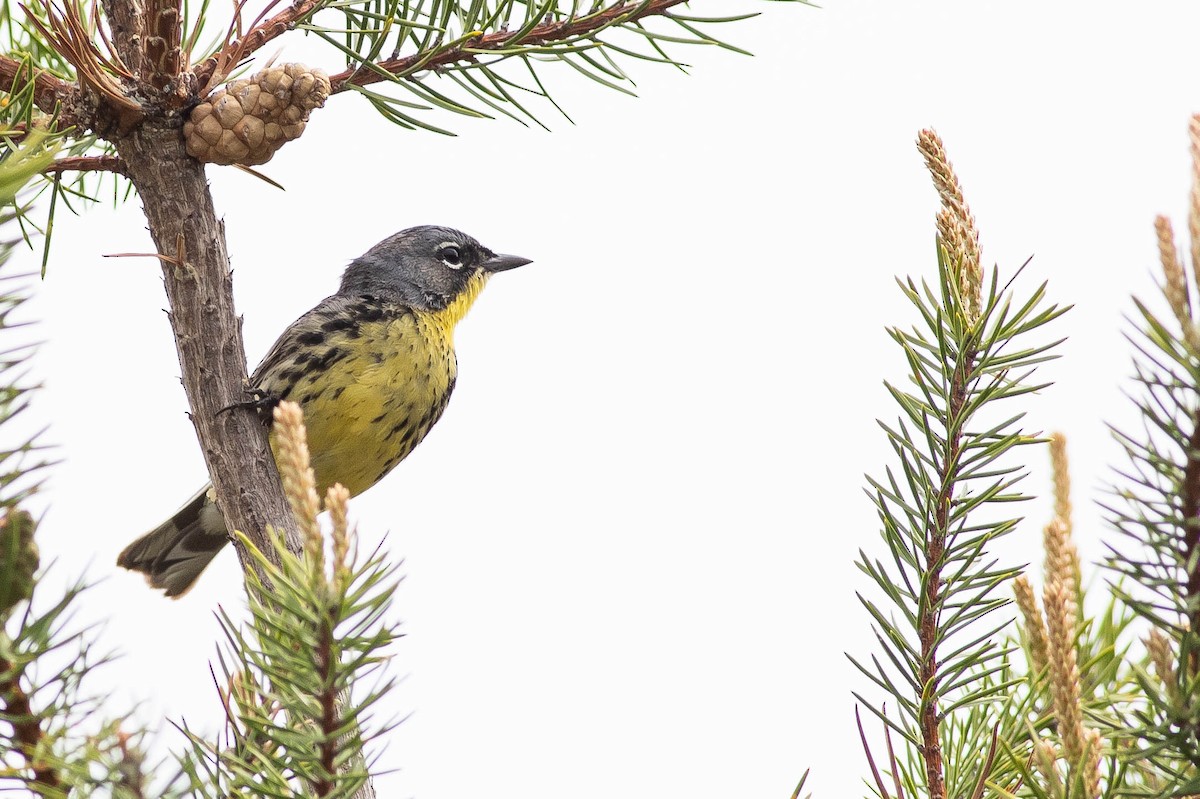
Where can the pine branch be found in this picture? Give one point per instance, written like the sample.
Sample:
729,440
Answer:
929,610
49,91
1191,531
329,709
941,659
548,33
215,68
461,51
43,707
92,163
1158,506
100,75
1067,734
316,630
43,665
26,728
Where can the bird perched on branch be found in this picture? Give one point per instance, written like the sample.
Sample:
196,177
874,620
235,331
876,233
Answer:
372,367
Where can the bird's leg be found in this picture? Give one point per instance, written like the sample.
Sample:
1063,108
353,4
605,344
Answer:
260,401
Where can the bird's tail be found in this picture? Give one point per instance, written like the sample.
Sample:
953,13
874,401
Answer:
174,554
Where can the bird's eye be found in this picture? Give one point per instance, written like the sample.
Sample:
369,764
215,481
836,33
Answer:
451,256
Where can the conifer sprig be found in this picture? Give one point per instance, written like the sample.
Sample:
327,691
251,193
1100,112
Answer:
63,73
52,742
293,681
938,507
1156,506
1071,719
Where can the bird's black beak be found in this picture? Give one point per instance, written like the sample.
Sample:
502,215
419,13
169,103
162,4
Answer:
502,263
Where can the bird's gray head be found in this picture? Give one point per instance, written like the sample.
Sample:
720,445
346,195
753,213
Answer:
424,267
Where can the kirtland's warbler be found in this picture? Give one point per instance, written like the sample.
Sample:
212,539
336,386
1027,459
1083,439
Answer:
372,366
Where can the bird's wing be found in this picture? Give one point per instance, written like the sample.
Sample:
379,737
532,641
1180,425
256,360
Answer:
305,332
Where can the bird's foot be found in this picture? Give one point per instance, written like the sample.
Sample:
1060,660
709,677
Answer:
260,401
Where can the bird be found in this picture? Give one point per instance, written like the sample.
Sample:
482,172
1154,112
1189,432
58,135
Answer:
372,367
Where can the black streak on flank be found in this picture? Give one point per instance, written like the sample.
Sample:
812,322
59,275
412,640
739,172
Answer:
339,323
329,358
311,338
396,428
388,467
288,379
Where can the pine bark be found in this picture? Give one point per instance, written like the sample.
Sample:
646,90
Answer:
190,241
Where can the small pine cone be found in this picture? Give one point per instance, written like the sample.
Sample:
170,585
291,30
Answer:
247,120
19,558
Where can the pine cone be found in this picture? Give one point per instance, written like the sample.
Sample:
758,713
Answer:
19,558
247,120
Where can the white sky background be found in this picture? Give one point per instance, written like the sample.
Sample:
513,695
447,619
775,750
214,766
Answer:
628,545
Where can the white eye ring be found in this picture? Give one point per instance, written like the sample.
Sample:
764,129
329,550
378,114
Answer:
450,254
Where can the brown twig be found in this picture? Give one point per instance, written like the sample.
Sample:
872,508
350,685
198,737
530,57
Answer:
225,695
927,619
214,68
546,33
70,35
959,239
1191,527
48,91
235,47
329,711
88,163
27,729
930,610
1191,474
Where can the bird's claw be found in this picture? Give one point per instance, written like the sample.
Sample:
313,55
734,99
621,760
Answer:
261,402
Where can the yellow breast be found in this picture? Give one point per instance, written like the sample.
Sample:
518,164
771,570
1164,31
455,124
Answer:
370,408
